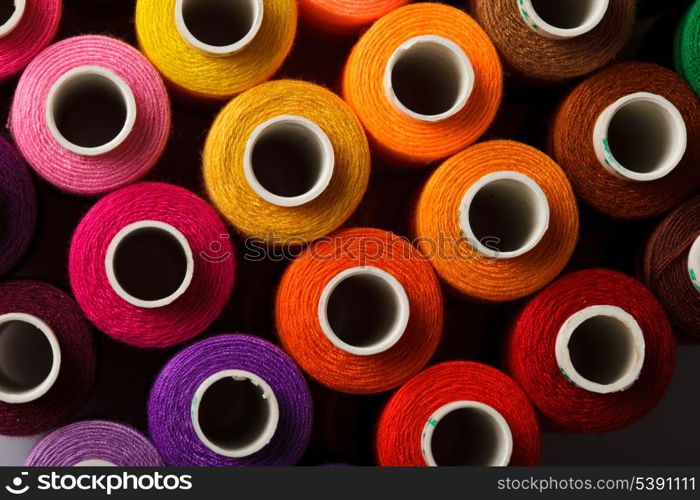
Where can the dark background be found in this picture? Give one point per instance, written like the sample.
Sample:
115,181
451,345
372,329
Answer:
344,426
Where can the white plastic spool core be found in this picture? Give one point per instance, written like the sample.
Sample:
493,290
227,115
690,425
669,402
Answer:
30,358
11,13
288,161
504,214
601,349
90,110
363,310
464,433
694,264
94,462
218,27
429,78
149,264
235,413
640,137
559,19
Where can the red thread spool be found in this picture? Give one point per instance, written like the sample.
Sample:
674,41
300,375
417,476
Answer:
458,413
672,265
626,139
593,351
360,310
344,17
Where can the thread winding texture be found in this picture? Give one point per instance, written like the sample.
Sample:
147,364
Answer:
170,403
532,362
94,440
77,369
572,142
687,47
76,173
197,73
469,272
345,16
539,58
402,422
190,313
297,309
18,207
223,161
666,265
400,138
36,29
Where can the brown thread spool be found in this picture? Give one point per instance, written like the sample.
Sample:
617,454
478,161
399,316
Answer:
647,116
672,265
552,41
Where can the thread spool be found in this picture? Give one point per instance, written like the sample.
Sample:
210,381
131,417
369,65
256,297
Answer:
425,81
345,17
230,400
19,207
593,351
672,265
47,359
497,221
360,311
458,413
215,50
646,166
286,162
151,265
25,30
94,443
687,47
53,115
548,42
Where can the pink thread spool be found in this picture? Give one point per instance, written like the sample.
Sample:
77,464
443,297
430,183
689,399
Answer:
90,115
151,265
26,27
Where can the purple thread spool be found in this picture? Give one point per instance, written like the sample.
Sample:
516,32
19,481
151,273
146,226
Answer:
94,443
18,207
231,400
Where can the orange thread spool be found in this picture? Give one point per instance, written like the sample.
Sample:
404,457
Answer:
345,16
482,220
360,311
426,82
634,143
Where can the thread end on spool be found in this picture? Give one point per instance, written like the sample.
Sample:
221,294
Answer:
562,20
601,349
219,28
30,358
429,78
504,215
14,19
235,413
640,137
490,440
363,310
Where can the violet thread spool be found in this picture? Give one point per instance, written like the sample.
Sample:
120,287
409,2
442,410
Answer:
230,400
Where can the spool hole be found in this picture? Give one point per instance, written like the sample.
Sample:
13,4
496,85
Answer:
430,78
11,13
90,110
643,136
570,14
150,264
364,310
219,26
236,413
507,213
467,433
28,360
7,8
